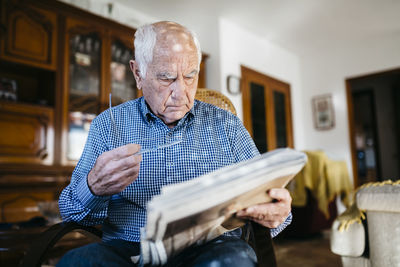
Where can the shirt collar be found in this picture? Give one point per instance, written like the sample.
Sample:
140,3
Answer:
149,116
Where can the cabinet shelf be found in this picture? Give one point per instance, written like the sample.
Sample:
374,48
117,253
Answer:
27,84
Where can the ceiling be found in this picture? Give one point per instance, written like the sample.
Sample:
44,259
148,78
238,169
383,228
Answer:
295,25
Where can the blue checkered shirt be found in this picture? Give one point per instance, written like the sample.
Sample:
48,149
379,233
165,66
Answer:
211,138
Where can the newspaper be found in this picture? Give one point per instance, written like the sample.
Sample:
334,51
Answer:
201,209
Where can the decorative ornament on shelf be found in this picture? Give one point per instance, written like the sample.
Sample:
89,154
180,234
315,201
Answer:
8,89
233,84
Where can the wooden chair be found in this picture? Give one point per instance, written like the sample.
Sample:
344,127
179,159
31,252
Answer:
257,236
216,98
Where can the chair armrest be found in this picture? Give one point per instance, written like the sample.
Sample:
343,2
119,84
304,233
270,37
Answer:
261,241
348,242
40,246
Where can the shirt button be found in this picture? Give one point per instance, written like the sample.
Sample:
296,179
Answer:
170,164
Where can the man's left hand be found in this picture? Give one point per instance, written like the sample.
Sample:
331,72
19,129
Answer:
270,214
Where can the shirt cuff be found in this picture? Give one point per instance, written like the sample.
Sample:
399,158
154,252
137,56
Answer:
88,199
277,230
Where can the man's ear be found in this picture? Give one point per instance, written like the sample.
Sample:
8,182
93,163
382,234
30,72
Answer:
136,73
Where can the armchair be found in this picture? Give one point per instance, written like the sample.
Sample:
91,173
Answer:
257,236
368,233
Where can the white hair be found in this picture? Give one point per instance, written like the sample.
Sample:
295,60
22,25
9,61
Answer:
145,41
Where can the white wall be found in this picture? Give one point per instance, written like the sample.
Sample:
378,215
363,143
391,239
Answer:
239,47
325,69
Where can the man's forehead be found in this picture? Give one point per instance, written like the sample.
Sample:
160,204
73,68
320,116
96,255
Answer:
173,36
175,41
168,26
174,44
166,66
169,51
177,48
166,48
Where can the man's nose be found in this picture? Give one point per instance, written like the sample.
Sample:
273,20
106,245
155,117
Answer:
179,88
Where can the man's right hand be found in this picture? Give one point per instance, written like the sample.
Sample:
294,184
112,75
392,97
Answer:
114,170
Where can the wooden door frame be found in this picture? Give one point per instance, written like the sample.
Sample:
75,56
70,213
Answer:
246,97
288,108
269,83
350,117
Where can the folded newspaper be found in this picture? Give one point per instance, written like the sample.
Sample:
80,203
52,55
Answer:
203,208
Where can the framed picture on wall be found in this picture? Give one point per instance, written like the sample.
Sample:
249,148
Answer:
323,112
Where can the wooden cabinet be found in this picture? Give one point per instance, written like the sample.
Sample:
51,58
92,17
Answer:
84,75
96,63
83,58
29,34
27,134
58,65
202,74
121,80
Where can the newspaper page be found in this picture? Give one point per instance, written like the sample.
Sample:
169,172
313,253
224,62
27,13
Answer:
201,209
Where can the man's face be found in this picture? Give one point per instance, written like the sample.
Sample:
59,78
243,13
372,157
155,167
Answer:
171,80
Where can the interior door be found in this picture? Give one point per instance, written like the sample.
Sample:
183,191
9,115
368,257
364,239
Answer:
373,113
266,110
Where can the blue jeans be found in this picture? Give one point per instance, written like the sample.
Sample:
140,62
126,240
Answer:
223,251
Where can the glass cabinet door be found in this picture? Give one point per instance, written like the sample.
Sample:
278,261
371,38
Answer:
123,84
84,88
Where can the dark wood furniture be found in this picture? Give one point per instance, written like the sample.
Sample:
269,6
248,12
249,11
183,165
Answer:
41,247
58,65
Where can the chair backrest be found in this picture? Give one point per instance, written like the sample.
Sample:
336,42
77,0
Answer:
215,98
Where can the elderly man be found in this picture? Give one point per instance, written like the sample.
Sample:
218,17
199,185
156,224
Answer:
112,183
